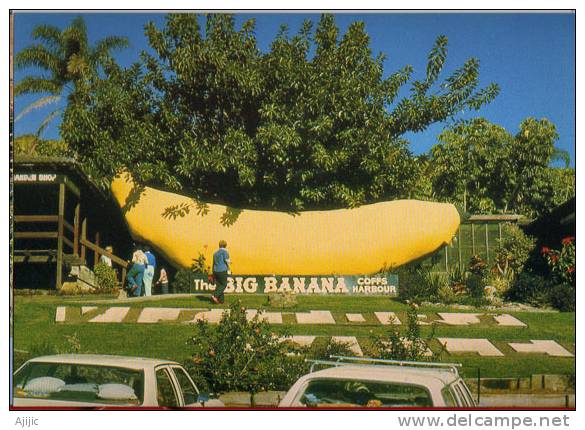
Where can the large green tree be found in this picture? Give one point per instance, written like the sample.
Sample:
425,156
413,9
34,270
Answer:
312,123
486,169
67,61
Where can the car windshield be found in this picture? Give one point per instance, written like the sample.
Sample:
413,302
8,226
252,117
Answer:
80,383
352,393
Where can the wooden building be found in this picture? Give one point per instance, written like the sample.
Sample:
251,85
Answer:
61,219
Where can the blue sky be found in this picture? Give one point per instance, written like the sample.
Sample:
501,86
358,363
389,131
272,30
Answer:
530,55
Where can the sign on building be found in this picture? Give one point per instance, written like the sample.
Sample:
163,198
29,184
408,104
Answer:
335,284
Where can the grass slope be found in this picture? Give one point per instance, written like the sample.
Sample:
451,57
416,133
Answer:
36,331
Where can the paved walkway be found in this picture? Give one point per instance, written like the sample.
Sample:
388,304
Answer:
158,314
453,346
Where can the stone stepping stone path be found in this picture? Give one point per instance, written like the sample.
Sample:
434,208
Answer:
355,318
453,346
60,314
302,340
482,347
548,347
458,318
387,318
508,321
269,317
86,309
213,316
315,317
112,315
153,315
351,342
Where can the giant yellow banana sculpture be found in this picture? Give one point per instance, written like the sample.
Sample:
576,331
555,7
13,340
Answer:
344,241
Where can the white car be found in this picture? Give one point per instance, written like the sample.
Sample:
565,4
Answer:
85,380
356,382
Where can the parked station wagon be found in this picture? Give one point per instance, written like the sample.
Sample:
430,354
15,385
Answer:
80,380
362,382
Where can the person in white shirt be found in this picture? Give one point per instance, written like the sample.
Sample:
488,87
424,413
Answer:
105,259
136,272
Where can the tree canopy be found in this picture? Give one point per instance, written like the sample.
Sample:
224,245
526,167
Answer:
312,123
487,169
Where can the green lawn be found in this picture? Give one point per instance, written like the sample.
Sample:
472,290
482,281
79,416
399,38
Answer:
34,326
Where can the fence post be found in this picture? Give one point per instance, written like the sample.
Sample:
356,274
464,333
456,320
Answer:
83,239
487,246
60,237
478,384
473,238
96,254
459,245
76,230
446,258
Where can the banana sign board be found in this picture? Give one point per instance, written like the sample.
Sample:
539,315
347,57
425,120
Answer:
335,284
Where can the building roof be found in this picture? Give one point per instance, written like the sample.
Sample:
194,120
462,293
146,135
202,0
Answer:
67,165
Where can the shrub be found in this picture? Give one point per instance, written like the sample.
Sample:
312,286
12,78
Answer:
530,288
183,281
563,297
447,295
562,263
513,250
282,300
475,285
477,266
417,284
240,354
105,278
475,282
457,277
323,351
394,345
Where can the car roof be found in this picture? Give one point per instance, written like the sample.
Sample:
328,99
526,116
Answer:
385,373
102,360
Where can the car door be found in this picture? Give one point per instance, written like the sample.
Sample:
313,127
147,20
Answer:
166,390
186,387
462,395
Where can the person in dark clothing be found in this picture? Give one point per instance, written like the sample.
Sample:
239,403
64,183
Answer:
221,270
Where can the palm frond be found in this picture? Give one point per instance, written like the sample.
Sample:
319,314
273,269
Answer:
104,46
76,35
44,101
38,56
49,34
47,121
35,85
561,155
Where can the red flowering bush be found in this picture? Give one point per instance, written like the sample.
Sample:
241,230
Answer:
562,263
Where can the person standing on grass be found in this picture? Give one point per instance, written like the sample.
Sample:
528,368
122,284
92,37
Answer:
163,280
136,272
149,271
221,270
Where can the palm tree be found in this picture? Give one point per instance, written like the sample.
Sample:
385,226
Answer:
68,59
560,155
